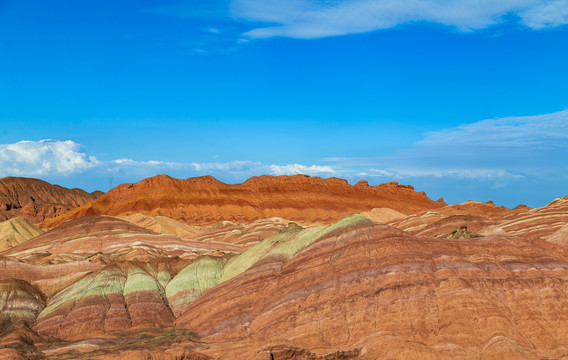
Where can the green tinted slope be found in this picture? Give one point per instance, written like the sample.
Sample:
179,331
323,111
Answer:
192,281
288,242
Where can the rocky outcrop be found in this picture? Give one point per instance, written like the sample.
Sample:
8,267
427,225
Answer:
204,201
387,294
16,231
36,200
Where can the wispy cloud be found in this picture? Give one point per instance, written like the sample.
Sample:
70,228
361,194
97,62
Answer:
504,149
315,19
44,157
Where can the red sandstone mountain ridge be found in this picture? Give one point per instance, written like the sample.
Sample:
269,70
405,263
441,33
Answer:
99,287
206,201
36,200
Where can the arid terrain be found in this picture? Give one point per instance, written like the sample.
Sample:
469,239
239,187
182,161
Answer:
287,267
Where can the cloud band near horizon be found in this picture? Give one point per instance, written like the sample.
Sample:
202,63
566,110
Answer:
497,150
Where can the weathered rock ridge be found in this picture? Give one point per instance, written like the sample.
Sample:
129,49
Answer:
205,201
36,200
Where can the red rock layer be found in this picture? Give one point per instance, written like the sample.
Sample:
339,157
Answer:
538,223
475,215
48,278
36,200
206,201
116,298
90,236
388,294
19,302
243,234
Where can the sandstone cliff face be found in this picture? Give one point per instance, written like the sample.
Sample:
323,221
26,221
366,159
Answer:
386,294
36,200
206,201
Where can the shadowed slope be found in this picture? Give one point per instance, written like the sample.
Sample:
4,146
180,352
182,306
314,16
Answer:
16,231
36,200
387,294
205,201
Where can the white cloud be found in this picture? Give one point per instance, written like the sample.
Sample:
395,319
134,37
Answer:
547,14
320,18
44,157
292,169
62,158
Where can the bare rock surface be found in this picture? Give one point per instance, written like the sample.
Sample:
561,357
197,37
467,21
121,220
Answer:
162,225
538,223
111,239
475,215
17,231
204,201
36,200
380,291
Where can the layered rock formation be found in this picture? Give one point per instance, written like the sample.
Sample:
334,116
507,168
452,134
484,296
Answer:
242,286
475,215
110,239
48,278
162,225
376,292
206,201
116,298
246,235
36,200
20,302
538,223
16,231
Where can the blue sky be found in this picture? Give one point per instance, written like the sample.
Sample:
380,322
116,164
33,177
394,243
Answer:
463,99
